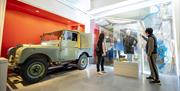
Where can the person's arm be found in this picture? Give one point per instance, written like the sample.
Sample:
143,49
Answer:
135,41
150,46
104,48
146,39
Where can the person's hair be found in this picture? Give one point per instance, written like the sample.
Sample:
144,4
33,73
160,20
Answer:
101,37
149,30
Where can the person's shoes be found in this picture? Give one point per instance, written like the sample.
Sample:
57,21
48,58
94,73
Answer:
104,72
150,77
120,56
155,82
99,73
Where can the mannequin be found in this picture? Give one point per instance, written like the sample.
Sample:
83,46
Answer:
129,43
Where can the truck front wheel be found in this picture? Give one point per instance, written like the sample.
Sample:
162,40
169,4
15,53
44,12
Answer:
34,69
82,62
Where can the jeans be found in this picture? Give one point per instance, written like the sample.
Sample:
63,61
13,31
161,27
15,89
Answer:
100,62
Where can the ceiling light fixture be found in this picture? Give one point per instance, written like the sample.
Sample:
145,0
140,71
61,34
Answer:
120,4
37,11
130,8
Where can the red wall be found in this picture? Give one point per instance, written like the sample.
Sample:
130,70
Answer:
24,26
78,27
95,31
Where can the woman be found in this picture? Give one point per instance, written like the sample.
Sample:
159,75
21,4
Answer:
100,52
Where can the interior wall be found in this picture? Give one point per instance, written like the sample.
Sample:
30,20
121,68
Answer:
2,13
77,27
24,24
23,28
62,10
95,30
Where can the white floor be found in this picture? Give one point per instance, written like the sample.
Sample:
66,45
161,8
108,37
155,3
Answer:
88,80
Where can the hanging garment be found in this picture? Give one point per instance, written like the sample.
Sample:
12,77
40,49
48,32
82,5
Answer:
129,43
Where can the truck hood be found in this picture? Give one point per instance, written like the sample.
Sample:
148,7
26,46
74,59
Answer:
44,44
16,53
21,47
36,46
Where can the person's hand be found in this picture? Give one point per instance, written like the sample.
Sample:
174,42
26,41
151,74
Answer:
141,35
104,54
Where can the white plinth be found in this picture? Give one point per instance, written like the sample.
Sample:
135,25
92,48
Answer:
3,73
129,69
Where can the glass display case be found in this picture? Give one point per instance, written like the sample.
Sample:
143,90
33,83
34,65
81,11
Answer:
130,46
126,51
126,42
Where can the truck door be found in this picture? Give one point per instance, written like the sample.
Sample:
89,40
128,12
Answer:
69,46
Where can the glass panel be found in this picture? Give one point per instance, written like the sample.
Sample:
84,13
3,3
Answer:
161,22
67,35
74,36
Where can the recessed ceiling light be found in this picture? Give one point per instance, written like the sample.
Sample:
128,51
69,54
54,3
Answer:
37,11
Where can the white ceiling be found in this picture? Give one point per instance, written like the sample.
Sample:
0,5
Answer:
90,4
93,5
108,11
123,12
83,5
102,3
123,18
119,18
135,15
125,7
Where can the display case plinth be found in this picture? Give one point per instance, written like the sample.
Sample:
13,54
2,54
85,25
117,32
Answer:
129,69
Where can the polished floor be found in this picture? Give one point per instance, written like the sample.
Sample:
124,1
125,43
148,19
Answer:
88,80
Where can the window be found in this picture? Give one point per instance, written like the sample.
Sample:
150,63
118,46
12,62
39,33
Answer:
67,35
70,36
74,36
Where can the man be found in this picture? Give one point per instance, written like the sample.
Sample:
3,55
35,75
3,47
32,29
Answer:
151,50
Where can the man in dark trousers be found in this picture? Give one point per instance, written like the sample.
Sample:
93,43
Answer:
151,50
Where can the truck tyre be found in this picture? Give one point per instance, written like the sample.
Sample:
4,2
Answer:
82,62
34,69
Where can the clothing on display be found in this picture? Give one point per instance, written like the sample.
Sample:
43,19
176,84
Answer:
129,43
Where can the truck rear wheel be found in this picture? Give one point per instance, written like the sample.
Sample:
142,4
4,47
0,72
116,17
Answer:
82,62
34,69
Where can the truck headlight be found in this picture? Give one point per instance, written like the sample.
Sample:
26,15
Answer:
43,43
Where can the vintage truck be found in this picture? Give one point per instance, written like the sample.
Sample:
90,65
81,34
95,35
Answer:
61,47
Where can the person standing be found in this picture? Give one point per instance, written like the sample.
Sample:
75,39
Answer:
100,52
151,50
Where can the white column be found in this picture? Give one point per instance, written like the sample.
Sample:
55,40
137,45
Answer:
176,26
2,13
87,25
